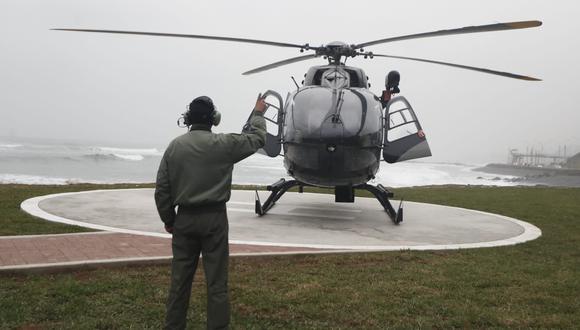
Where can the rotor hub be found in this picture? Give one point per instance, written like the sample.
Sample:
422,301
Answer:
336,50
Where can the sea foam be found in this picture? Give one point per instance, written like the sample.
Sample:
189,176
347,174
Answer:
129,151
10,146
39,180
112,153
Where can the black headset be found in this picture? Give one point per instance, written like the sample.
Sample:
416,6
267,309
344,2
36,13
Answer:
214,116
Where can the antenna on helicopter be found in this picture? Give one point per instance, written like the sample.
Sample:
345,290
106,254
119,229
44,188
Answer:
294,80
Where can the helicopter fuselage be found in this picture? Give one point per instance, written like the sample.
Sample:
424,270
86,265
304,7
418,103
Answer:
333,129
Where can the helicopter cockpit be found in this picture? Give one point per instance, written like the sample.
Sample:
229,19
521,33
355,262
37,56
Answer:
335,77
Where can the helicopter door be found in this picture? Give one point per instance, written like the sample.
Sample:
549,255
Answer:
404,138
274,116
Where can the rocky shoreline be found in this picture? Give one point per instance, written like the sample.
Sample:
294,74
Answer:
553,177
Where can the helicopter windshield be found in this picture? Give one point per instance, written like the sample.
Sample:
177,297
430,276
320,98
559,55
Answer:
323,112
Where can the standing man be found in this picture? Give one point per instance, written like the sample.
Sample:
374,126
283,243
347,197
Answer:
195,175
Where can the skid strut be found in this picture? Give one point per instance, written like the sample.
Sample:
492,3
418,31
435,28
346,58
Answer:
277,190
281,186
382,195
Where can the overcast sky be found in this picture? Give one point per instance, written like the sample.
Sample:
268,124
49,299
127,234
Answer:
129,90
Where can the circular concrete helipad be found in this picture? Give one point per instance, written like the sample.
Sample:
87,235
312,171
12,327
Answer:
297,220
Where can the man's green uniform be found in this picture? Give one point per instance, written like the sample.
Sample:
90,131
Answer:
195,175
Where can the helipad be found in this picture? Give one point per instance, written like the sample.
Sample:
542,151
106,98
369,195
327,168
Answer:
297,220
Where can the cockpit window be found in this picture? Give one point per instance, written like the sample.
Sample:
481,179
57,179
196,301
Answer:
317,77
354,80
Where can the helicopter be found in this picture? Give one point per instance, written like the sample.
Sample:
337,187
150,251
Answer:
333,129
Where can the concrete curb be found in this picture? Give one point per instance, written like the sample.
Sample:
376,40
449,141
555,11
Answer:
144,261
82,265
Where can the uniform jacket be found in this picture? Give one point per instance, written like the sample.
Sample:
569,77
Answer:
196,168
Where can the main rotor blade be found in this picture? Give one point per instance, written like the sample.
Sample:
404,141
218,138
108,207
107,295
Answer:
497,73
277,64
463,30
195,36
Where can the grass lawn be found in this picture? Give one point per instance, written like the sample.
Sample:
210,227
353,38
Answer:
531,285
14,221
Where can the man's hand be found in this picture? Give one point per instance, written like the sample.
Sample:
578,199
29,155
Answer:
169,229
261,105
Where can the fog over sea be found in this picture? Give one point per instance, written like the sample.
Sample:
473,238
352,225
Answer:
38,163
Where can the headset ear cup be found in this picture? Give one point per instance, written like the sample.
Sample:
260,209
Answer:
216,118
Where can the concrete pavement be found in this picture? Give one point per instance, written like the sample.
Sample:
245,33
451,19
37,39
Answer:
298,223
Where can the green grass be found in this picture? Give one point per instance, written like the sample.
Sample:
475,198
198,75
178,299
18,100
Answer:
14,221
531,285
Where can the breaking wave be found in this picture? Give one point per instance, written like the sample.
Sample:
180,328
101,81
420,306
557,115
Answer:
114,157
412,174
110,153
129,151
40,180
10,146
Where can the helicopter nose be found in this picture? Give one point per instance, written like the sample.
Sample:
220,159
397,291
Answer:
332,129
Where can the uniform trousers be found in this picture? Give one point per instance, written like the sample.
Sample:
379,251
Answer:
199,230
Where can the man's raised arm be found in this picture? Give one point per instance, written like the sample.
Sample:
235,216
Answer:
247,143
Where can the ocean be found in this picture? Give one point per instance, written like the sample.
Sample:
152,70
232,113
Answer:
60,164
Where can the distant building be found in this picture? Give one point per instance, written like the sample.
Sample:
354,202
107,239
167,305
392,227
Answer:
533,158
574,162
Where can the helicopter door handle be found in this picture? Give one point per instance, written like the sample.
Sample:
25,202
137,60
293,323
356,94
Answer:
273,106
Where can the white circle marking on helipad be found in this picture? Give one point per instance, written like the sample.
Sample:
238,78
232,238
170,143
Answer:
297,220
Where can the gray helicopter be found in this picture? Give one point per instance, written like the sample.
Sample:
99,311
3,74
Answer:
333,129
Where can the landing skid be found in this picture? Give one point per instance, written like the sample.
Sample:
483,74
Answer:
382,195
281,186
277,190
